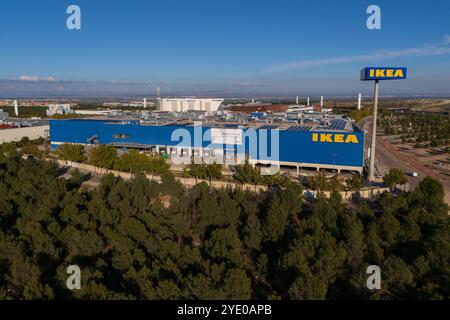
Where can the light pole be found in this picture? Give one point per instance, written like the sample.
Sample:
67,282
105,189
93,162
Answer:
374,133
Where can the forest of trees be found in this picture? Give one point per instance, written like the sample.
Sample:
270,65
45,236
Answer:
26,112
140,239
421,129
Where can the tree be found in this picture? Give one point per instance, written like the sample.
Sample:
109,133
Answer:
317,182
335,183
308,288
225,245
276,218
71,152
103,156
214,171
236,285
213,243
247,174
132,161
33,150
395,177
158,165
355,183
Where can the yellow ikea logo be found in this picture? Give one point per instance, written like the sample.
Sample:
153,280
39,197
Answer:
386,73
383,73
334,138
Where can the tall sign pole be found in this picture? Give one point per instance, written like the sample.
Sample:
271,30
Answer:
374,133
376,74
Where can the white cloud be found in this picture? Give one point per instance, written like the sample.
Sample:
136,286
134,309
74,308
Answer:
247,84
373,56
35,78
446,39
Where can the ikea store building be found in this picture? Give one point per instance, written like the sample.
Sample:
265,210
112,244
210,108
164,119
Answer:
337,145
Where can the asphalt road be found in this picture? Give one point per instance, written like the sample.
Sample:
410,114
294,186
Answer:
390,157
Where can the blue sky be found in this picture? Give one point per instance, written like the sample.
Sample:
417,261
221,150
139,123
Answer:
218,46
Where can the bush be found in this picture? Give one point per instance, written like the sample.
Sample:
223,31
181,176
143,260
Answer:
394,177
71,152
355,183
104,157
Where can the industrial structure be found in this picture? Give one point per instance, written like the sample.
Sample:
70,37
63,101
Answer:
16,134
59,108
188,104
333,143
3,115
257,107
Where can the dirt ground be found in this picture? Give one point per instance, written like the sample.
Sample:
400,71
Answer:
434,162
391,153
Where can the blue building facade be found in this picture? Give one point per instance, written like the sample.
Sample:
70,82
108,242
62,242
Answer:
332,148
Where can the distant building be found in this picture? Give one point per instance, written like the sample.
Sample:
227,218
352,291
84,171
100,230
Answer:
6,103
95,112
3,115
16,134
189,104
309,109
257,107
130,104
58,109
301,108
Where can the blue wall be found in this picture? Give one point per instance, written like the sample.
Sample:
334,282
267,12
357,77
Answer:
294,146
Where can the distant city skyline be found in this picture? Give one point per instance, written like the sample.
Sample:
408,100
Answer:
205,48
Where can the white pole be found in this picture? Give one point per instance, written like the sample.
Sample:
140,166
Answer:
145,103
321,101
16,108
296,100
307,103
359,101
374,133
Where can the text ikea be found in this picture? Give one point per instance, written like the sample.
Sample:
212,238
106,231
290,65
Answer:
391,73
383,73
334,138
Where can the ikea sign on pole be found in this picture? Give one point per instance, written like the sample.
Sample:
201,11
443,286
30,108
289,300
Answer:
377,74
383,73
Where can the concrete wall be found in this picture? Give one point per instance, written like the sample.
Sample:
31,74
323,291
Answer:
187,182
350,195
191,182
16,134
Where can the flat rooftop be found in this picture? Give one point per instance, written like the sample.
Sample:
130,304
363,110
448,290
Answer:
335,124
